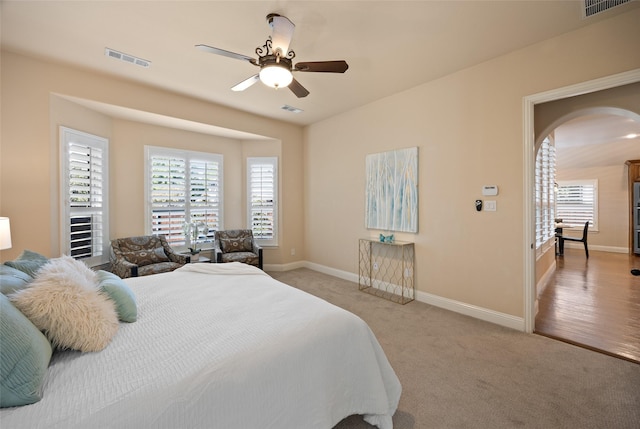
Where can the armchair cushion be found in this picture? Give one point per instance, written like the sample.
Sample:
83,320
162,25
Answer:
241,244
146,256
246,257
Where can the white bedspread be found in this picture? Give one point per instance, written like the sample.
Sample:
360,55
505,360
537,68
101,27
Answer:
220,346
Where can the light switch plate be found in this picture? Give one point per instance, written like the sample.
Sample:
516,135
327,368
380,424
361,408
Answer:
490,206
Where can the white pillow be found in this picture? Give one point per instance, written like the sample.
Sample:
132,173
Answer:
64,302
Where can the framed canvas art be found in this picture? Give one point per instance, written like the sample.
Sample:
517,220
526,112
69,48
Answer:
392,190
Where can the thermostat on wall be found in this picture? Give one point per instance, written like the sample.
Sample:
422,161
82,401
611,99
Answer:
490,190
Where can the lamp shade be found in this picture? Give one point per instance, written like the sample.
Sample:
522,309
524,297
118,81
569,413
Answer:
275,76
5,233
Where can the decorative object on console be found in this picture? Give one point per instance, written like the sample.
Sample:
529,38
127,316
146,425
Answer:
237,245
386,238
391,191
144,255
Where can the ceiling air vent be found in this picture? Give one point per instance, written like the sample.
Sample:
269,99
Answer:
291,109
126,58
594,7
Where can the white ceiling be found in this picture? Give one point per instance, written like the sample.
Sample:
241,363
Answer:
597,140
390,46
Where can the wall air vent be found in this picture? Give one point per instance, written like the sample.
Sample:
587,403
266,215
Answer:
291,109
594,7
126,58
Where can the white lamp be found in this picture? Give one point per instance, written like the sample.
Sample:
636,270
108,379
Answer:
5,233
275,76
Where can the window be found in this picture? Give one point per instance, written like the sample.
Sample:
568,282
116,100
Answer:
262,186
84,207
182,186
577,202
545,193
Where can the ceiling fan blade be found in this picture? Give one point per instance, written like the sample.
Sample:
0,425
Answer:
224,53
246,83
299,90
282,32
323,66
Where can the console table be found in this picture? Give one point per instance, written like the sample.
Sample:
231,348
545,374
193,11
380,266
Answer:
386,269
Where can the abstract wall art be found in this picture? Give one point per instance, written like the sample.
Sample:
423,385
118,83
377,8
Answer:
392,190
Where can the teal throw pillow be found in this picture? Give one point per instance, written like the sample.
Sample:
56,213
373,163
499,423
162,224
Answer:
12,280
26,353
118,291
29,262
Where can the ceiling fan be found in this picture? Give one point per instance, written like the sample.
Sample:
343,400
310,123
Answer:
276,60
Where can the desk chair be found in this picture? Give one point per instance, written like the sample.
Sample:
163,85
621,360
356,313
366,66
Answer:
583,240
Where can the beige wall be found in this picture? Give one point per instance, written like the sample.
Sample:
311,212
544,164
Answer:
468,127
32,111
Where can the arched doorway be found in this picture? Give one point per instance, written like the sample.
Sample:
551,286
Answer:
533,122
582,300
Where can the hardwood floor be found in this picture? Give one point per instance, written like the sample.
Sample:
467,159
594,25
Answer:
593,303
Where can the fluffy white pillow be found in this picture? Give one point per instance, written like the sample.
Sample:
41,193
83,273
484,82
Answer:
65,303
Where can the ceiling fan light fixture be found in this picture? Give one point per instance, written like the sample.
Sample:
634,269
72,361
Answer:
275,76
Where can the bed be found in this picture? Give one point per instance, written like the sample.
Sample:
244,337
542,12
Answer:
220,346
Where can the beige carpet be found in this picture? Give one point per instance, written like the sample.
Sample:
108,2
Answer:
459,372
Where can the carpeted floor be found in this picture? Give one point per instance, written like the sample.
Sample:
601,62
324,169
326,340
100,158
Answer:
460,372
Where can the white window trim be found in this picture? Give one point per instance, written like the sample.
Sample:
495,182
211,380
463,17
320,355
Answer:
593,226
65,135
149,151
274,162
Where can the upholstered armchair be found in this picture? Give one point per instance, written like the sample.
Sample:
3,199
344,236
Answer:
237,245
144,255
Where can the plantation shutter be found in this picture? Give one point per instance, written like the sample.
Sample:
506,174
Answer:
262,187
168,197
205,194
85,218
545,174
183,187
577,202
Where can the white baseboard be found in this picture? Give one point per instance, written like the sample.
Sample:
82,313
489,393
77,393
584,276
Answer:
284,267
481,313
344,275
